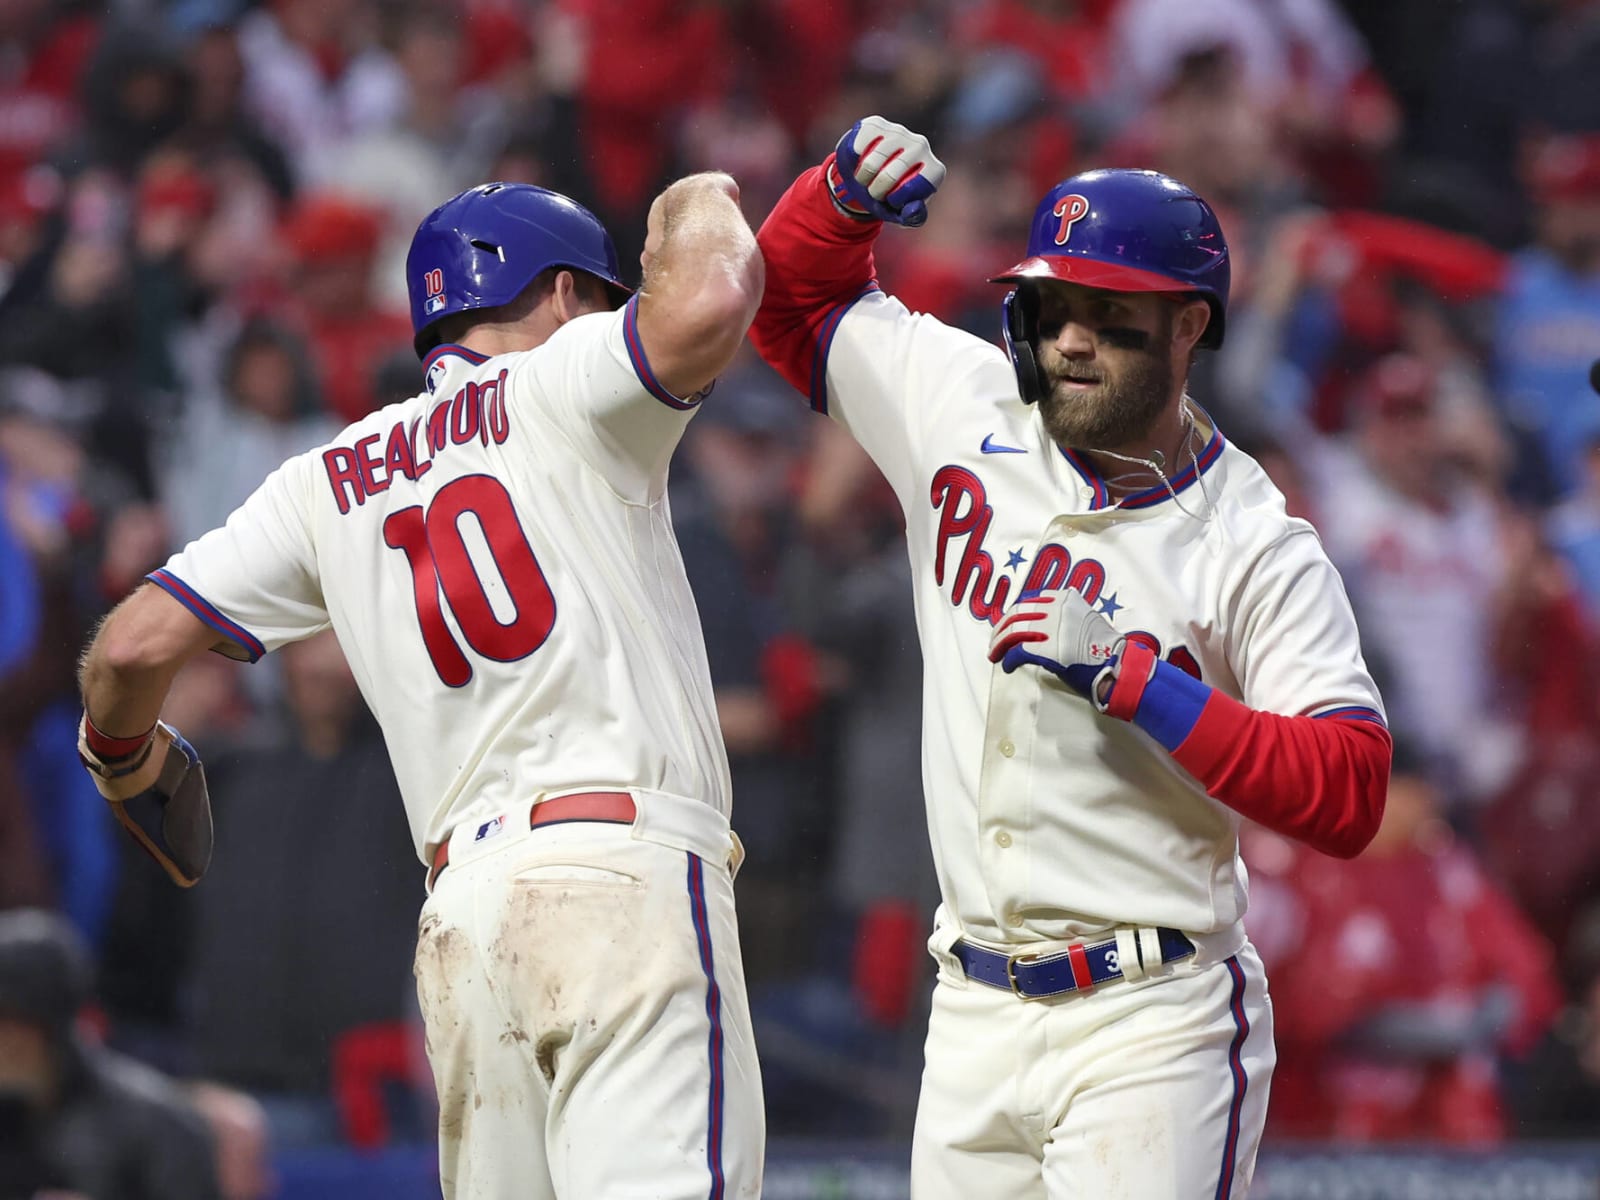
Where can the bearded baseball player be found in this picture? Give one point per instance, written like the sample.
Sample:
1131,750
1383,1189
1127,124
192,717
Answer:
497,559
1129,648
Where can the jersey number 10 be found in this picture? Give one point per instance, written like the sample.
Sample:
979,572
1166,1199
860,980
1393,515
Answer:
441,563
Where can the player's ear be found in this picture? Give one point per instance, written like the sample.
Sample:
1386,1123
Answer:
565,301
1188,326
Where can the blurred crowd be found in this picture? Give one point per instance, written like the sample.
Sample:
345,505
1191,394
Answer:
204,209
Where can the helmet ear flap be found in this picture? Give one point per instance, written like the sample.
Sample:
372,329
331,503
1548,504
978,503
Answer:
1021,330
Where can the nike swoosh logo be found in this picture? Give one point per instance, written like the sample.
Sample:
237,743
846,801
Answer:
990,446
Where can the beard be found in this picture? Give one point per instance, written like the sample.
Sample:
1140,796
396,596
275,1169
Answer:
1120,408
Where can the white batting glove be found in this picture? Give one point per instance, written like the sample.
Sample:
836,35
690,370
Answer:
883,172
1059,631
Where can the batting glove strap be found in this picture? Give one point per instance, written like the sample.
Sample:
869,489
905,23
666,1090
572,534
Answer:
112,757
1058,631
1128,674
841,195
112,749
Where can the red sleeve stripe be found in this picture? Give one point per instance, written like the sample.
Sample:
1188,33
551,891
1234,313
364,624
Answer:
819,364
641,364
207,612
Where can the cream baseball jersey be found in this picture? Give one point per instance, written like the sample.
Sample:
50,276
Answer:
497,559
1050,820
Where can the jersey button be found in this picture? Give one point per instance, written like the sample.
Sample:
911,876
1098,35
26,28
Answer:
1007,747
1002,839
1014,920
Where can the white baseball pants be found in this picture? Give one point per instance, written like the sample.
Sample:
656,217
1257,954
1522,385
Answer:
585,1011
1151,1090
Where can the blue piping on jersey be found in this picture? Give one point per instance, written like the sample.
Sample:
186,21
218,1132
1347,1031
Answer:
1209,455
825,334
641,364
438,352
207,612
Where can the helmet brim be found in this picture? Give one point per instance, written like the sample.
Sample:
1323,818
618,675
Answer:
1091,272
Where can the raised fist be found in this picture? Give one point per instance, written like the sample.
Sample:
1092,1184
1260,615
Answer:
883,172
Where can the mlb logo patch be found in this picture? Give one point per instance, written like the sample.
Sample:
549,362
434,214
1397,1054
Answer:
489,829
433,281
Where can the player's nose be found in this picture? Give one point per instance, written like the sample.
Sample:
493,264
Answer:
1074,340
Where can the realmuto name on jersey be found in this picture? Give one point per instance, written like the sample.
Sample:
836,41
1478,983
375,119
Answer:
477,412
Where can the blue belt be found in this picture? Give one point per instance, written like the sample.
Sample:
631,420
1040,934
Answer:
1077,968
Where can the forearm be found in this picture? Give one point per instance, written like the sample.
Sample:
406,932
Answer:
123,700
703,278
817,260
1321,781
135,655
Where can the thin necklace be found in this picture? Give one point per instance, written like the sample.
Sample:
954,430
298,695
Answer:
1155,464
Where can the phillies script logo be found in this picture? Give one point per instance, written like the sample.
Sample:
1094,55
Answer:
965,516
964,519
1071,209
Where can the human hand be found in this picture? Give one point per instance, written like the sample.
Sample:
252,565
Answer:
1059,631
885,172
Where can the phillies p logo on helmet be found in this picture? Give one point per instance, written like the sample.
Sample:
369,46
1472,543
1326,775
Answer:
1071,209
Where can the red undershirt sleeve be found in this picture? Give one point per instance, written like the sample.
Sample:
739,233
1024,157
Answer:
1320,780
819,262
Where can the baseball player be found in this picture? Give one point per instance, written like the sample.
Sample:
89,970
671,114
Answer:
497,560
1129,648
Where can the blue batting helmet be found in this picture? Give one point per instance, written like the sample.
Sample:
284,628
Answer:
1125,231
481,248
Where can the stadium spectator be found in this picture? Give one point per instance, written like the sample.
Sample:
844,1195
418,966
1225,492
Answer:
45,46
1558,1092
333,301
1400,979
440,143
1419,551
74,1116
315,76
1548,326
1574,524
268,409
731,501
276,985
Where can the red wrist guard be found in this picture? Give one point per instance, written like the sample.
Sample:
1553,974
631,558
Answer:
1134,668
110,749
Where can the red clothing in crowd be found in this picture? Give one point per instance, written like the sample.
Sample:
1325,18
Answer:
1069,46
1345,942
648,61
39,93
348,352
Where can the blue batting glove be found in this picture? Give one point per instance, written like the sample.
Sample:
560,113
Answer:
1059,631
883,172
